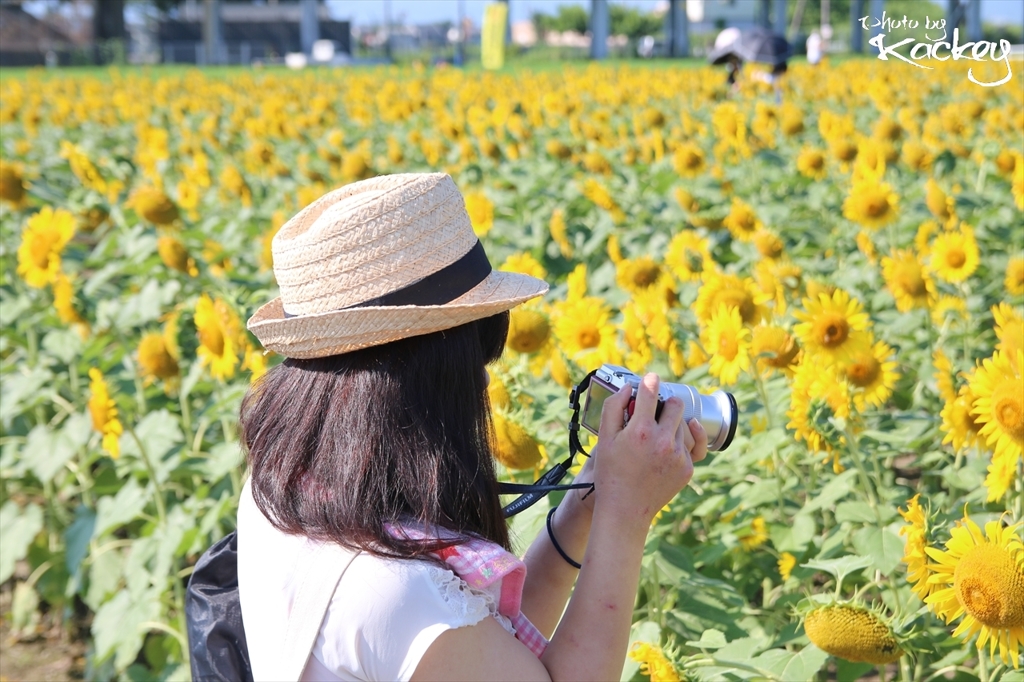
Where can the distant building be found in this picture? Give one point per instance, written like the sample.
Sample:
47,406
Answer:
248,32
26,40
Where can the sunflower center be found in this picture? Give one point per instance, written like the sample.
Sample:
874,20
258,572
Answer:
529,332
589,338
1008,406
956,258
694,261
212,337
833,330
646,275
739,299
40,252
990,586
727,347
876,206
911,280
864,372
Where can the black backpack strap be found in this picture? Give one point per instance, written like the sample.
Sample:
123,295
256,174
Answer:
213,617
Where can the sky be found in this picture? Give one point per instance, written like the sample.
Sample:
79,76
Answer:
362,12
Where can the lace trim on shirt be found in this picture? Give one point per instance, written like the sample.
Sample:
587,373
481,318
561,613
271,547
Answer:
468,604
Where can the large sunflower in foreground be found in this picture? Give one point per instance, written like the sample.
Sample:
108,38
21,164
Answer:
998,387
981,577
834,327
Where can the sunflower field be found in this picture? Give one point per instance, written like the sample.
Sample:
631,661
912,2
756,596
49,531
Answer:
848,262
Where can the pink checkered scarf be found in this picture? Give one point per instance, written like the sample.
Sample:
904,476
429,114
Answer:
489,567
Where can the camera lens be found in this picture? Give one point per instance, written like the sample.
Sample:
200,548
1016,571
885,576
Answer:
717,413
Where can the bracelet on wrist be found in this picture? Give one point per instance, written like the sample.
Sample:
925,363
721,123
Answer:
558,548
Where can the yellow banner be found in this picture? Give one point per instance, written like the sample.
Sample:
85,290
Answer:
492,35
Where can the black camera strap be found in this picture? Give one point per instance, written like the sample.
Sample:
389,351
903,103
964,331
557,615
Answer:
531,493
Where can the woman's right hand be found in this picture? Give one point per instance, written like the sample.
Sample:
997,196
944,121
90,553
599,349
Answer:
641,465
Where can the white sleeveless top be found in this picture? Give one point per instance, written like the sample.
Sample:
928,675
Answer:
384,615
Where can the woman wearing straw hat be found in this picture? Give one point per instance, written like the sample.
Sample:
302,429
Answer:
371,540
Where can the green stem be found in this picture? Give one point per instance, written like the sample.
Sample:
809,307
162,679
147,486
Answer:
855,454
186,416
158,498
982,666
32,336
759,381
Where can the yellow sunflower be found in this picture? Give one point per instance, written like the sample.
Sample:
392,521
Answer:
959,424
728,342
871,203
786,563
923,237
741,221
981,577
653,662
514,446
998,387
939,204
64,304
1009,328
908,281
12,183
689,255
175,256
103,410
688,160
872,375
833,327
734,291
811,163
1014,281
219,332
557,227
481,212
774,349
639,274
866,246
529,330
943,374
45,235
768,244
525,264
950,310
585,332
153,205
917,540
156,359
954,254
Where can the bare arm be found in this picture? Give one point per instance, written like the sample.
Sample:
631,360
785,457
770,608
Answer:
639,469
549,578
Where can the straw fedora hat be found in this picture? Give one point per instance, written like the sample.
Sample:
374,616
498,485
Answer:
379,260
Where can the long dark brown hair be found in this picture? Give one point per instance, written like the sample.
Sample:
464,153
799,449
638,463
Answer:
340,446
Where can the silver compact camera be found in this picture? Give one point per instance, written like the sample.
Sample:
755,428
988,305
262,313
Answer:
717,412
